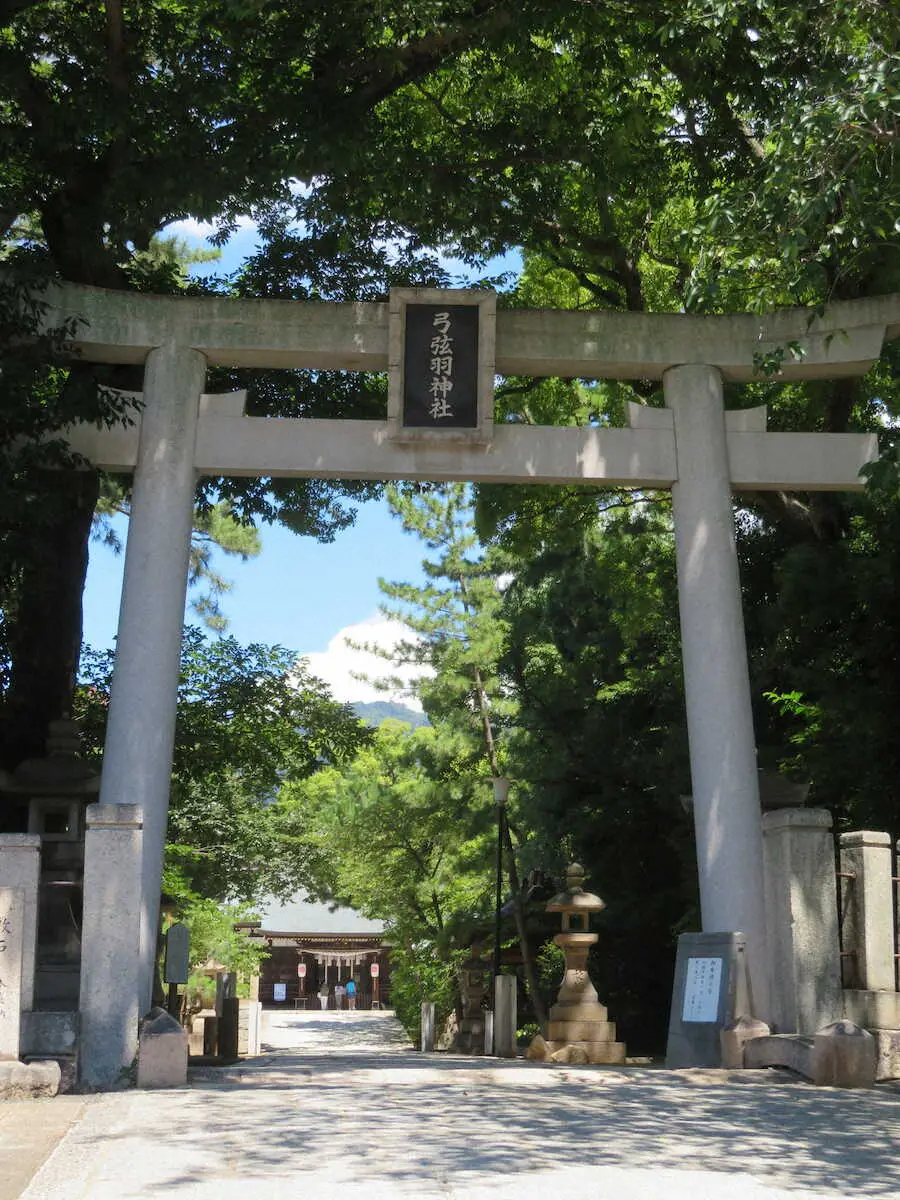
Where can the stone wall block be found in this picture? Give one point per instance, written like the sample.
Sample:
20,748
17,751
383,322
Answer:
802,920
20,867
12,913
844,1056
735,1036
868,910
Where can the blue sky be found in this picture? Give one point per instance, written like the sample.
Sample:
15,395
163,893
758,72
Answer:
297,593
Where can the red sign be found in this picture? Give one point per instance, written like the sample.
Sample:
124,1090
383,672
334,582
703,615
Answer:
301,970
375,970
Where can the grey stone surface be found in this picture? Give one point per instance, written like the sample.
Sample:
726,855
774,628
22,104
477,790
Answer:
718,705
49,1033
123,328
844,1056
868,910
20,867
801,912
426,1031
162,1051
340,1105
734,1037
505,1016
887,1054
12,946
20,1080
791,1050
110,941
697,1043
872,1010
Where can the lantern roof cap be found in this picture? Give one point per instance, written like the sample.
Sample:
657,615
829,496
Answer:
575,898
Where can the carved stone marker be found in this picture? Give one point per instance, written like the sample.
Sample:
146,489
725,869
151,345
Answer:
12,917
709,993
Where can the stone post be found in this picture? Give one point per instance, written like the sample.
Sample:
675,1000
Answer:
716,679
505,1016
12,946
868,910
110,966
427,1026
20,867
137,759
803,924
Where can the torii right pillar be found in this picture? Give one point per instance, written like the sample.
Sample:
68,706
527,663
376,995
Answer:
727,818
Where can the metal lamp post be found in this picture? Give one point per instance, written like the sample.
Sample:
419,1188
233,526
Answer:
501,790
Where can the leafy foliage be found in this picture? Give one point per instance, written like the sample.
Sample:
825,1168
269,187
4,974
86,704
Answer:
249,719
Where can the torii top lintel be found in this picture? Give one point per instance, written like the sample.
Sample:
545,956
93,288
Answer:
124,326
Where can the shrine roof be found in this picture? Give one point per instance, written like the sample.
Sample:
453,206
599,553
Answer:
301,915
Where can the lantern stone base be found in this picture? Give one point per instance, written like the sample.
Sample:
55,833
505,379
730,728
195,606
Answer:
576,1051
584,1027
594,1052
582,1031
470,1039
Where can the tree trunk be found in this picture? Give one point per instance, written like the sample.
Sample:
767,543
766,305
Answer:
44,636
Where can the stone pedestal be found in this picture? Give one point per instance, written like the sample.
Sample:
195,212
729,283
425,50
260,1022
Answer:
801,910
12,914
110,950
20,867
578,1021
710,992
505,1016
427,1027
868,906
163,1051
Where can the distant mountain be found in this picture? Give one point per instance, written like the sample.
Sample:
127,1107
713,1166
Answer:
377,711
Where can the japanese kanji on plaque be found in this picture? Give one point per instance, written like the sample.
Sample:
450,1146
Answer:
440,374
441,366
701,989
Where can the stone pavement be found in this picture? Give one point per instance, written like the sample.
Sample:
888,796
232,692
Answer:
339,1104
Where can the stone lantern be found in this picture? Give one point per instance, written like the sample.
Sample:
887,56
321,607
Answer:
473,977
579,1028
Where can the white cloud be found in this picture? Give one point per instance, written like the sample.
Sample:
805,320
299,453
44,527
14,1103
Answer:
190,227
340,663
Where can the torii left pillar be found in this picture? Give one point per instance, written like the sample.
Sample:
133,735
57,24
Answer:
727,817
137,762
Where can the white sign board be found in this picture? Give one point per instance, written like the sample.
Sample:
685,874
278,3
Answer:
279,992
701,989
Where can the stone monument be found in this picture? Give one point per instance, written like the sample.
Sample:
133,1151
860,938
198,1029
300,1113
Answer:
580,1030
473,975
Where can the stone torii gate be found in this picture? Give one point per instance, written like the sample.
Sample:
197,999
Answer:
692,446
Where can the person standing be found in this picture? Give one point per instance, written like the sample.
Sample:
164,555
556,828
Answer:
351,993
323,993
